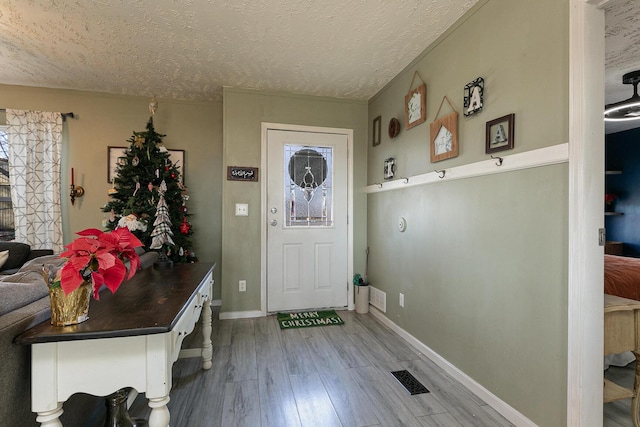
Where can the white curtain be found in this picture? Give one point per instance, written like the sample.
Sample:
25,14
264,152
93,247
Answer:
35,143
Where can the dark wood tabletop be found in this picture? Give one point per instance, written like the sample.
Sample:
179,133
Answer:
150,303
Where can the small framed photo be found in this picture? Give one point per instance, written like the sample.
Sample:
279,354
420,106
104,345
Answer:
389,168
377,126
500,134
415,106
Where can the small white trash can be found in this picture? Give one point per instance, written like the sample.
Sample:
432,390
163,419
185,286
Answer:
362,299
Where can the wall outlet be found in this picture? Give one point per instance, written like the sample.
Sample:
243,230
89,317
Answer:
242,285
242,209
401,300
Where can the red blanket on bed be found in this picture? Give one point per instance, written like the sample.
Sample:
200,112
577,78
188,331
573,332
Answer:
622,276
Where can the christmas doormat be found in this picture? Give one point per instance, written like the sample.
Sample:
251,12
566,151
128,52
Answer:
307,319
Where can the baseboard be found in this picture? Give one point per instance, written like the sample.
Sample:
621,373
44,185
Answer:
491,399
228,315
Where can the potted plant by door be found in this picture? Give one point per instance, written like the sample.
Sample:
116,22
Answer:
362,294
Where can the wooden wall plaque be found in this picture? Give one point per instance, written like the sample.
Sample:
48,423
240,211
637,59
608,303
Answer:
242,173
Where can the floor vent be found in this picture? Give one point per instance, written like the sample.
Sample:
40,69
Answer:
378,299
409,382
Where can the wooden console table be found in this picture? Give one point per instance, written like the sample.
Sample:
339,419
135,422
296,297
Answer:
622,333
131,339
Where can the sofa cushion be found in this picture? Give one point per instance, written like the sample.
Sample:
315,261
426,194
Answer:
24,289
18,254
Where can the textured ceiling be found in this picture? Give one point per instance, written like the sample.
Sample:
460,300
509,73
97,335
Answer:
622,44
191,49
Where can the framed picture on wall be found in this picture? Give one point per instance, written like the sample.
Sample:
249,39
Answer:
415,106
389,168
118,156
377,127
500,134
115,156
444,137
177,158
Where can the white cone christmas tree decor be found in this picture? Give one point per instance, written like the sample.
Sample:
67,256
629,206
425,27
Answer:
161,234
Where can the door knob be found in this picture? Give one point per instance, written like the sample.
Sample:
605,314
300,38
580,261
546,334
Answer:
274,222
274,210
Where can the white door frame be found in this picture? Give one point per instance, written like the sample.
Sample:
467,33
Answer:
585,323
263,205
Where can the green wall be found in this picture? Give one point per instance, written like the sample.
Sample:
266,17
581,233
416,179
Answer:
244,113
483,263
105,119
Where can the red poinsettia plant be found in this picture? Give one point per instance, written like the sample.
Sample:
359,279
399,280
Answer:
101,258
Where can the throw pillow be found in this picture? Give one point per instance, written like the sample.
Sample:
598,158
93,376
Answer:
18,254
4,256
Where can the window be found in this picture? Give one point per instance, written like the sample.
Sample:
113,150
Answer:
7,231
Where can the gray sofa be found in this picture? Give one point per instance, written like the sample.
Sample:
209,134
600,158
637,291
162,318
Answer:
24,302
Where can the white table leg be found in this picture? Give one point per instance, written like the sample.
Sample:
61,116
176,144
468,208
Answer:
207,349
50,418
159,416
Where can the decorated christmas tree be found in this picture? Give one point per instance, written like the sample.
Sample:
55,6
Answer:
134,196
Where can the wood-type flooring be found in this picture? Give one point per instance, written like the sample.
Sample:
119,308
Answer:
314,377
618,414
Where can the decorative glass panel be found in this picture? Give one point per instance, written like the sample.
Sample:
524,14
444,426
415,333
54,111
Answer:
308,186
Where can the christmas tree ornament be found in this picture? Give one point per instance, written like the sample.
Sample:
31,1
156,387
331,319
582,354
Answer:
184,209
153,105
135,161
112,190
150,186
173,175
181,251
132,222
185,226
138,142
162,235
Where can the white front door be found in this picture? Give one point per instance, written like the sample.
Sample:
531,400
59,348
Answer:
307,191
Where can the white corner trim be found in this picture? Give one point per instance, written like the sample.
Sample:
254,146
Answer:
476,388
529,159
228,315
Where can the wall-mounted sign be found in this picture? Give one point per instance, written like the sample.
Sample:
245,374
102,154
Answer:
474,97
242,173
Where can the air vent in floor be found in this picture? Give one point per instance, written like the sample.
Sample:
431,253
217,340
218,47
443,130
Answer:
409,382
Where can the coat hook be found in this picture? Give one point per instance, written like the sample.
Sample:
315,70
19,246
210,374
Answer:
441,172
405,180
499,162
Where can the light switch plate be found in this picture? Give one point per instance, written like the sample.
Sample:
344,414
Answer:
242,209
